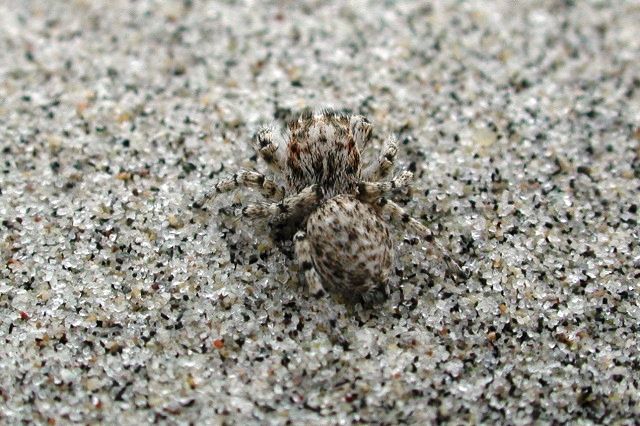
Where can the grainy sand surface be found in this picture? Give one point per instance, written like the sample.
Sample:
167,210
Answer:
120,304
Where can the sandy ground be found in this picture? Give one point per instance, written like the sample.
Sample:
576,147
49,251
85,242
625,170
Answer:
120,304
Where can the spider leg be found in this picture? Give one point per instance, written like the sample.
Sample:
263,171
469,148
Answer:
382,166
361,130
371,190
267,146
399,215
303,254
247,179
289,207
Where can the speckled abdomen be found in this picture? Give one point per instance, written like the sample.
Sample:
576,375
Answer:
356,258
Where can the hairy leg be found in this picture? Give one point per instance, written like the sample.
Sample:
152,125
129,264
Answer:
382,166
361,130
303,254
398,215
368,191
247,179
289,207
266,145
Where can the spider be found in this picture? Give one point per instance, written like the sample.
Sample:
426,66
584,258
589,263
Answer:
342,243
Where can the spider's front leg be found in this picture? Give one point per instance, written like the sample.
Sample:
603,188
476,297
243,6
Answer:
382,166
247,179
368,191
266,145
303,254
398,215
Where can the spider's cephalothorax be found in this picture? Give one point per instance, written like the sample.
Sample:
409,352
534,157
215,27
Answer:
344,243
324,149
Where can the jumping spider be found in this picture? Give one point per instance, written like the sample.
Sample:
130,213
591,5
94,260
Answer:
342,241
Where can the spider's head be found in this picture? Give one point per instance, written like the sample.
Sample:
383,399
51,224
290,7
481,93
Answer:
324,148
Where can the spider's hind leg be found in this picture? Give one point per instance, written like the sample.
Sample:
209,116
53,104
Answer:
303,253
399,215
376,295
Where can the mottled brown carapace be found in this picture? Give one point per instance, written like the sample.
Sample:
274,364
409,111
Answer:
322,149
339,207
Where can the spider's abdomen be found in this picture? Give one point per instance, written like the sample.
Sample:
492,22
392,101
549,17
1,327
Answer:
351,246
321,149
